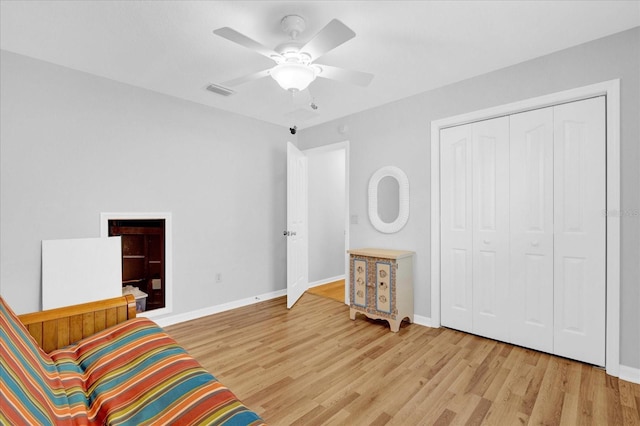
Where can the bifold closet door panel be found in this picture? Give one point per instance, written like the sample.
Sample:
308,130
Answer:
531,223
491,228
456,227
580,230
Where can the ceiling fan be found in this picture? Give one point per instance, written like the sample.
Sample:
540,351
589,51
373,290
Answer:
295,66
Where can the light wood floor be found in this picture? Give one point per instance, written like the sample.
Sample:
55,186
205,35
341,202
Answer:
312,365
334,290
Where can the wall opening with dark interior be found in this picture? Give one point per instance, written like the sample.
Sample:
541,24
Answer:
143,258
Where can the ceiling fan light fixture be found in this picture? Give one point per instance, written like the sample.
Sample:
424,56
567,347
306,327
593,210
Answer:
293,77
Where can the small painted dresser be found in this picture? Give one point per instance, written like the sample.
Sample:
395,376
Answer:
381,285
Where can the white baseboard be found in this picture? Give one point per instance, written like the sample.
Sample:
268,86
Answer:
199,313
629,374
326,281
420,320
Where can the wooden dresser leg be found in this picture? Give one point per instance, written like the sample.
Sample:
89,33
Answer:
352,314
395,325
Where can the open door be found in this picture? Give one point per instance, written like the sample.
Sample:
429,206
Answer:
297,232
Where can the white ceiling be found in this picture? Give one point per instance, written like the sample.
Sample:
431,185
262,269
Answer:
410,46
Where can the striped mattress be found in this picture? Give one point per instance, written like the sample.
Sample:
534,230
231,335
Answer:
130,374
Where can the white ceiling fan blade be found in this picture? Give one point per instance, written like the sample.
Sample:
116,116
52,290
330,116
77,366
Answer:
247,78
347,76
331,36
241,39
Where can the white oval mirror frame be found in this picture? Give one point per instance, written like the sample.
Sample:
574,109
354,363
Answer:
403,199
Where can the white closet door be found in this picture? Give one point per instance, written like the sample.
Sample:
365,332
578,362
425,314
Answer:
531,221
456,228
491,228
580,202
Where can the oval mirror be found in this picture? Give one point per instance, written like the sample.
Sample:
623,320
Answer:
389,199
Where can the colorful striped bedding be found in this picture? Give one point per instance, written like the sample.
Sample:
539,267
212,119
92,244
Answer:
132,373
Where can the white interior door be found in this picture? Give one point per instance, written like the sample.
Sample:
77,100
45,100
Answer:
491,228
580,230
531,223
297,225
563,179
456,228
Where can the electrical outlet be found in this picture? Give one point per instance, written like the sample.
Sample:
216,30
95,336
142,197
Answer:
218,277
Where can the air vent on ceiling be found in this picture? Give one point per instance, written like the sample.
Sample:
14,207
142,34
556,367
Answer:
220,90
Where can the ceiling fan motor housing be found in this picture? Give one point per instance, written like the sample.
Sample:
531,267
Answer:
293,25
290,50
291,53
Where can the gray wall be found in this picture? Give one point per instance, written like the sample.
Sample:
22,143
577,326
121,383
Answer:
399,134
326,215
74,145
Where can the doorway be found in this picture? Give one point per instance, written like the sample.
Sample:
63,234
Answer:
325,200
328,215
333,290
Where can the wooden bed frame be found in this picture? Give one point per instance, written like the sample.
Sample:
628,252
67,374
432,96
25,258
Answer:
57,328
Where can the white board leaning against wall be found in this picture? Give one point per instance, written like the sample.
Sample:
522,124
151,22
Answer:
80,270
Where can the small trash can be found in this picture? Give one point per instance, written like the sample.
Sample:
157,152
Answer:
141,297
